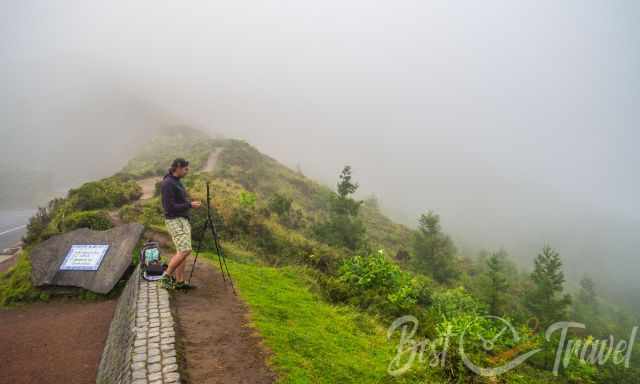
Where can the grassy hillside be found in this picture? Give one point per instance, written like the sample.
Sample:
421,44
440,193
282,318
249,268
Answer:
322,307
266,177
311,340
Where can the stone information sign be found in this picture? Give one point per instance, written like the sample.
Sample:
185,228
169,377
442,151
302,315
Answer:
93,260
84,257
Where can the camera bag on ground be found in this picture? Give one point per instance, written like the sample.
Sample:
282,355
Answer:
150,263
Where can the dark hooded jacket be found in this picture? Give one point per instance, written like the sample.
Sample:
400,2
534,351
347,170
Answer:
175,200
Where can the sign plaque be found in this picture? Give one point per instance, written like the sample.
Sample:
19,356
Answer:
84,257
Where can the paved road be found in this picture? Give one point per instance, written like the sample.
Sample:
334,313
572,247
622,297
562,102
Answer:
12,226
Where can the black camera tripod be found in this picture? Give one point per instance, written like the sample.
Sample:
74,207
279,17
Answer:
209,225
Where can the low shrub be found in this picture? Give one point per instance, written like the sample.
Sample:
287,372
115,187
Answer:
130,212
111,192
453,302
39,224
379,285
149,213
280,204
96,220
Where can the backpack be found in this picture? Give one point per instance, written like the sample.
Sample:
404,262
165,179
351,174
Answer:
151,266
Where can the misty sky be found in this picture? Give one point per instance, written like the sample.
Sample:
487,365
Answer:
516,121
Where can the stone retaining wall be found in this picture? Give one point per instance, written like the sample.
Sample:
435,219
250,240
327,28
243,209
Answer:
140,348
115,366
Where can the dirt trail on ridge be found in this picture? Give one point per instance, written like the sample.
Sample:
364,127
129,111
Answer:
212,161
218,344
148,186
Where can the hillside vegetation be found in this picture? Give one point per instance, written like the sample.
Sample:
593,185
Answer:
325,274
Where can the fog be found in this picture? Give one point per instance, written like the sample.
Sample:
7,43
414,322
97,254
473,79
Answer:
517,122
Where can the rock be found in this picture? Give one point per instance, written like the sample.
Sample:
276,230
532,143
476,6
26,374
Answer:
47,257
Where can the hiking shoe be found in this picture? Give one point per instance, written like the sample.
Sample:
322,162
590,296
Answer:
184,286
167,282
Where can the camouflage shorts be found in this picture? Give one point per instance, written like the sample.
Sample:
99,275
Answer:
180,231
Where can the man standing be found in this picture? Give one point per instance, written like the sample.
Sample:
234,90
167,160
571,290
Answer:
176,205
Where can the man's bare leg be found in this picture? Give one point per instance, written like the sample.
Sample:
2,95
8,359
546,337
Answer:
180,268
177,259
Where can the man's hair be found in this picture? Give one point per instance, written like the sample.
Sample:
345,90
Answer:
178,163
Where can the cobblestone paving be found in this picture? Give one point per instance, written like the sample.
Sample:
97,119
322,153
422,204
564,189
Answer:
154,355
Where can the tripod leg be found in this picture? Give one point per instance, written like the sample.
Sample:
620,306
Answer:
228,275
198,247
215,242
222,260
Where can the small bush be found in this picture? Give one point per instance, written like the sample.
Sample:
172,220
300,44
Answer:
377,284
247,200
148,213
280,204
112,192
243,218
342,231
372,272
453,302
130,212
39,223
96,220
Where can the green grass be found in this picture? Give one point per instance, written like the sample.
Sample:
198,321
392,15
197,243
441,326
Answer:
15,284
311,340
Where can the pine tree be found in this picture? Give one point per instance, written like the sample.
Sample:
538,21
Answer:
586,306
344,227
345,186
497,282
546,300
434,250
587,295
